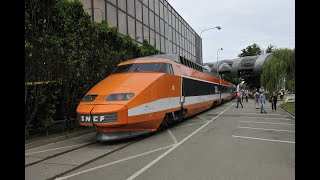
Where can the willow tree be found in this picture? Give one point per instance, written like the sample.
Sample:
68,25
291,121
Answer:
279,71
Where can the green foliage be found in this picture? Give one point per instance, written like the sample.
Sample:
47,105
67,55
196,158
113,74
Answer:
279,71
251,50
270,48
289,106
66,49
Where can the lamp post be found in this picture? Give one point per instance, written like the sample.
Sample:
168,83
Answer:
217,27
217,61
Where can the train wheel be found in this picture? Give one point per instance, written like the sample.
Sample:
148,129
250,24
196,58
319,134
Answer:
165,123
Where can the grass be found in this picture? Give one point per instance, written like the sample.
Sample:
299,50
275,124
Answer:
289,106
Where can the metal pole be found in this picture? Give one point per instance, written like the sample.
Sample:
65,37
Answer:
218,27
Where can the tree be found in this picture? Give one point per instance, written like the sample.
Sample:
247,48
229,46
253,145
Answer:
279,71
251,50
270,48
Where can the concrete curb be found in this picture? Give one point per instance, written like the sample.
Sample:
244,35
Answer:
48,140
292,115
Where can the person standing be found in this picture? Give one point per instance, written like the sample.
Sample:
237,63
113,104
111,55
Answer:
246,92
242,94
256,98
274,99
239,99
281,93
263,102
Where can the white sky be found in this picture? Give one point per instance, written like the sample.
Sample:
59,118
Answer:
243,22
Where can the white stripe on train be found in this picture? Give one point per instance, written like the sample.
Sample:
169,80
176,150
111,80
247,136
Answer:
169,103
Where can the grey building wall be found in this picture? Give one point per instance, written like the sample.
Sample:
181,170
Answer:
153,20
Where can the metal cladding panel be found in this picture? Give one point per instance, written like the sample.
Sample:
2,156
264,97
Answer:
257,69
247,62
235,67
218,64
198,49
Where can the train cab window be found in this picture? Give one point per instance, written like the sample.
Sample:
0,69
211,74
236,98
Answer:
169,69
143,67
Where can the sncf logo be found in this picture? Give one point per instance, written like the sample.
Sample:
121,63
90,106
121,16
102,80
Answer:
87,118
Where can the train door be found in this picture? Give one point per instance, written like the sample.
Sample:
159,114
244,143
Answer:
174,86
182,97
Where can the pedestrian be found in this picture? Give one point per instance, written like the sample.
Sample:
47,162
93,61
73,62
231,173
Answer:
242,93
256,98
263,102
246,94
281,94
239,99
274,99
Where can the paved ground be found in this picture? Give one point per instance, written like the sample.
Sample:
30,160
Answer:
222,143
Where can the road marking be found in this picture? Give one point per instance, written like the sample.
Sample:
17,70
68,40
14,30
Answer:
114,162
268,123
56,148
56,142
266,114
172,136
189,124
262,139
267,118
174,147
266,129
202,118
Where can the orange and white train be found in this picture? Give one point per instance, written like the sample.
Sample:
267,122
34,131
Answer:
146,94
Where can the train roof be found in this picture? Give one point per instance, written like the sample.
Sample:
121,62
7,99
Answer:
176,58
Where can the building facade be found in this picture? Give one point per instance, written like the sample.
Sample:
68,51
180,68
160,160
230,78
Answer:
153,20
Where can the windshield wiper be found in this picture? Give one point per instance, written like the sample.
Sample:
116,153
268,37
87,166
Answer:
137,69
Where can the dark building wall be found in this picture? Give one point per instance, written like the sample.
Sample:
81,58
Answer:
198,52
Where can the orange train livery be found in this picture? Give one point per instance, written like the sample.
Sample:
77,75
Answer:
147,94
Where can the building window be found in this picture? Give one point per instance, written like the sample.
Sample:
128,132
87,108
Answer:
151,5
157,24
156,6
151,17
122,23
170,33
158,41
161,10
114,2
111,15
131,7
152,38
161,27
122,4
138,11
99,10
145,16
145,2
163,49
146,33
131,27
139,31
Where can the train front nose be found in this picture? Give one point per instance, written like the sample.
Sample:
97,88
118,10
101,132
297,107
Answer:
103,115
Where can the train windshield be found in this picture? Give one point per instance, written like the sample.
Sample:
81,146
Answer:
143,67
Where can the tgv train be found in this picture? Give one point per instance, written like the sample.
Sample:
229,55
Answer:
147,94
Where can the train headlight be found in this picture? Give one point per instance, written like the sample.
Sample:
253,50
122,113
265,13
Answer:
89,98
120,97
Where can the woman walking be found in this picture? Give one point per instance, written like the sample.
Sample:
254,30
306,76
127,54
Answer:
274,100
